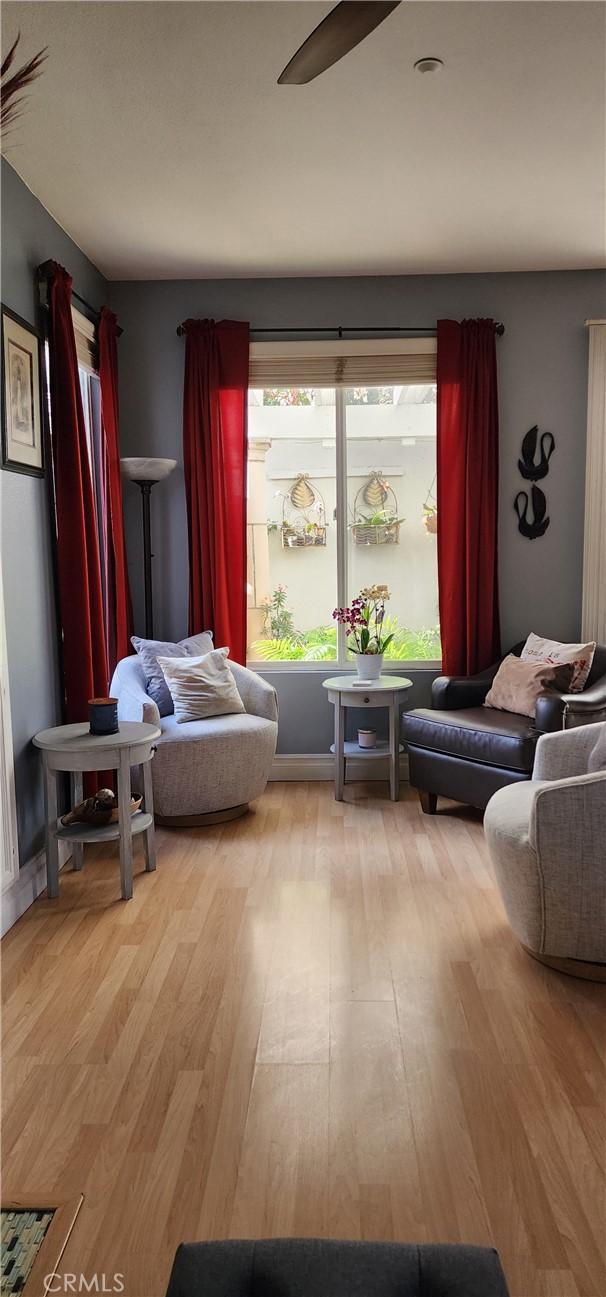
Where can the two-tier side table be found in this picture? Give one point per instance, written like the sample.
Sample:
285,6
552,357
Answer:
73,748
387,691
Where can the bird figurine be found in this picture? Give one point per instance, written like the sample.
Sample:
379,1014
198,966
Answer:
93,810
540,521
532,471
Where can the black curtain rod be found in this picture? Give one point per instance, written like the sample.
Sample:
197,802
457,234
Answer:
93,311
81,300
340,329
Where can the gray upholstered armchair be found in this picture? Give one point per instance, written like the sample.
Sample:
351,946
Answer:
547,841
206,770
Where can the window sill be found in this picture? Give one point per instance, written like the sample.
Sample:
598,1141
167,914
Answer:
327,668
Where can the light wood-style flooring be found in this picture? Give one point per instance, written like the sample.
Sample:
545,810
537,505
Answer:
311,1021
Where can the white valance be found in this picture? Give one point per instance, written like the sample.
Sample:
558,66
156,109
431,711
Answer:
343,363
86,341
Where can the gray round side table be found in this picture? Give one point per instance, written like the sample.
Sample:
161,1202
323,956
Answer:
73,748
387,691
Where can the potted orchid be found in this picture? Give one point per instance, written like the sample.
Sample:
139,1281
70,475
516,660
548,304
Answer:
364,621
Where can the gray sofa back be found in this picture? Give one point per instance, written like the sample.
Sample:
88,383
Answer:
286,1267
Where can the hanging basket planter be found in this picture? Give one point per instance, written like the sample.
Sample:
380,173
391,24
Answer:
376,533
376,520
311,535
303,515
430,511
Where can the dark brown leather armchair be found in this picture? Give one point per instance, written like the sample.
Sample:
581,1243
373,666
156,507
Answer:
460,749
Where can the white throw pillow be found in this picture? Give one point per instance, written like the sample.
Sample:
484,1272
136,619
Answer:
201,686
537,649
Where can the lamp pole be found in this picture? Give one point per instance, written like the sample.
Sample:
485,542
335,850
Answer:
145,488
145,473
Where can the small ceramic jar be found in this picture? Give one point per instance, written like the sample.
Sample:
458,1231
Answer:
103,715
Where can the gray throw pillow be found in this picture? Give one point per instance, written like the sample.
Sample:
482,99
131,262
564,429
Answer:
150,650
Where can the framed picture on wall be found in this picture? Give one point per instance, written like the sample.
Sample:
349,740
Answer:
22,440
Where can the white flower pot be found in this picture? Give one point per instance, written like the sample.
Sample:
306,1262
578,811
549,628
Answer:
369,665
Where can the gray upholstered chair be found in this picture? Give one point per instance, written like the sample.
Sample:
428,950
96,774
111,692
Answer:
547,841
206,770
313,1267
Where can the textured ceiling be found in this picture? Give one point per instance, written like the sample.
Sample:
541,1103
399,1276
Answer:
159,139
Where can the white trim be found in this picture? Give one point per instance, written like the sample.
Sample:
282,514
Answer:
308,767
9,865
593,624
426,346
328,475
288,352
330,666
341,517
28,886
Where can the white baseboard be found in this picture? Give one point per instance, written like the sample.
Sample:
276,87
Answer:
30,883
306,766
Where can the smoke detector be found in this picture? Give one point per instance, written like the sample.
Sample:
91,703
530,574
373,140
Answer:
428,65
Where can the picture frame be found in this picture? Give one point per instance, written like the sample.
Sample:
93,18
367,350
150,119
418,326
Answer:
22,426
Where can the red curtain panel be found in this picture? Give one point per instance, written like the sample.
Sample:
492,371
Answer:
467,491
85,667
119,611
214,458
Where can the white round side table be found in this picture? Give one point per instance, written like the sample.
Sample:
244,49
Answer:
387,691
75,749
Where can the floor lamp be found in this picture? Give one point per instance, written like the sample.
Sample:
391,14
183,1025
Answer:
145,473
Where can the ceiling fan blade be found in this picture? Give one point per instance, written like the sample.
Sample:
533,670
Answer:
342,29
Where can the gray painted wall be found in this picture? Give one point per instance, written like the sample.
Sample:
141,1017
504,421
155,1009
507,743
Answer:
543,375
543,379
29,237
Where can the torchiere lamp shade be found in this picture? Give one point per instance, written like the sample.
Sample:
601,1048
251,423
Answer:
147,470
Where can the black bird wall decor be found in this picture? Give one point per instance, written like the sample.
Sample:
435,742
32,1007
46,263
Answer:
540,521
532,471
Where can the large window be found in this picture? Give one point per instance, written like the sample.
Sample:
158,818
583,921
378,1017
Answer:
292,537
341,496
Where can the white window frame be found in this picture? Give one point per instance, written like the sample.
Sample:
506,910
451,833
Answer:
9,871
343,663
593,624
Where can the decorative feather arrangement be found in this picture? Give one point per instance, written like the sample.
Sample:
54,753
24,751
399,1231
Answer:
13,87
